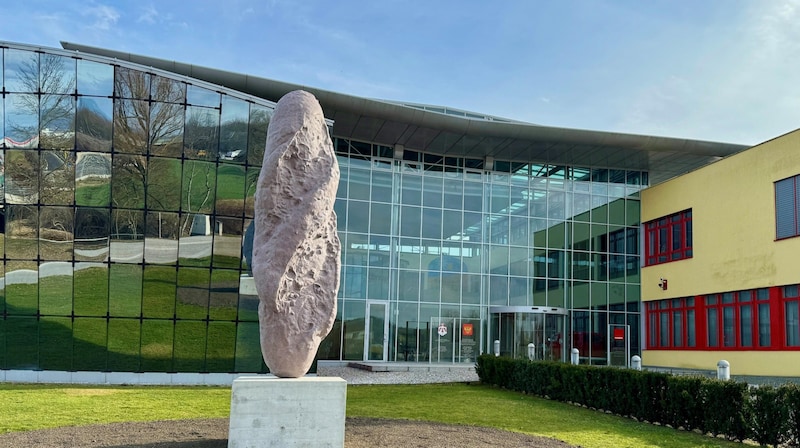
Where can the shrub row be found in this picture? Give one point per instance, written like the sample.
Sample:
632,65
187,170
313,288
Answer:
766,414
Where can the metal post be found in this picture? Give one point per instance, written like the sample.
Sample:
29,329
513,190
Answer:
575,358
531,351
497,347
723,370
636,362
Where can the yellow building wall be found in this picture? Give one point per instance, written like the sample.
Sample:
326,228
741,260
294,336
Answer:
734,246
741,363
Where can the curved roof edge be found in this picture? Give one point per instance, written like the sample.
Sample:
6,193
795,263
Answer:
391,123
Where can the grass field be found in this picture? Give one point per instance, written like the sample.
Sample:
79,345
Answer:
27,407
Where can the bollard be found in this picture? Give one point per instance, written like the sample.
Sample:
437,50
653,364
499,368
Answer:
636,362
723,370
497,347
531,351
575,358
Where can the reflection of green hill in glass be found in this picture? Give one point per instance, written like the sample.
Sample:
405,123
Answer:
93,194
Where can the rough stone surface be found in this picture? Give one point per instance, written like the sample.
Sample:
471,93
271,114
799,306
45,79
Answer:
296,250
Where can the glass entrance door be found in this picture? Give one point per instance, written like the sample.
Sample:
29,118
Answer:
619,347
518,327
376,345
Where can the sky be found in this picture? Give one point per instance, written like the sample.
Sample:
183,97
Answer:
718,70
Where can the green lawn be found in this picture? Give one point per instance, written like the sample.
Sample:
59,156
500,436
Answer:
27,407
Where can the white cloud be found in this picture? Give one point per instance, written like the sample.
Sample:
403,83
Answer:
149,15
104,17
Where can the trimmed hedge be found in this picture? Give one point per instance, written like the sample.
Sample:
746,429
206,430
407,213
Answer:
766,414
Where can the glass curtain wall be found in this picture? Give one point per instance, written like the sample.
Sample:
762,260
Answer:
125,196
442,239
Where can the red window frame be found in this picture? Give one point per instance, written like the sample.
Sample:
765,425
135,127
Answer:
664,331
668,238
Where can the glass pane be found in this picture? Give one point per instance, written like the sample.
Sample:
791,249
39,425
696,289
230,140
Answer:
55,343
728,327
220,347
125,290
22,177
21,345
192,294
56,233
792,322
124,337
224,290
158,292
199,96
131,119
353,329
22,232
377,320
157,337
257,134
22,120
161,238
166,125
93,179
230,191
55,289
95,78
57,122
227,243
91,289
746,325
248,348
713,327
190,346
199,186
233,130
127,236
163,184
21,71
201,138
128,174
130,83
90,341
93,124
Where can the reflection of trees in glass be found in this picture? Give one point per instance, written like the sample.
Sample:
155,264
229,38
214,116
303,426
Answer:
202,133
257,133
163,184
56,233
166,119
233,130
57,177
22,177
128,175
199,184
93,124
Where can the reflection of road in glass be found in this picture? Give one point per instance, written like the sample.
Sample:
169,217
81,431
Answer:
155,250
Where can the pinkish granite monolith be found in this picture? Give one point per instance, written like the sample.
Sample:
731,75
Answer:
295,247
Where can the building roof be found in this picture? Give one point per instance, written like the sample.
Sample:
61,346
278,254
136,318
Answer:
422,128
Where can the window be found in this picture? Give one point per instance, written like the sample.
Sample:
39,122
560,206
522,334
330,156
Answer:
668,238
791,297
787,207
671,323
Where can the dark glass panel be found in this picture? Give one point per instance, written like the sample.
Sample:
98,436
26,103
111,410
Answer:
381,218
22,340
91,234
201,136
163,184
21,71
22,287
156,351
3,335
411,190
127,181
22,120
190,346
221,346
224,290
358,216
432,191
22,232
131,118
257,133
91,289
359,187
55,343
158,292
353,329
124,338
56,233
192,293
93,124
248,348
125,290
22,177
95,78
251,180
2,295
431,223
248,304
93,179
127,236
55,289
90,341
199,186
130,83
233,130
161,237
57,178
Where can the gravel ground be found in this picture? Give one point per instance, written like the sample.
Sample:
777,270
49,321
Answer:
359,432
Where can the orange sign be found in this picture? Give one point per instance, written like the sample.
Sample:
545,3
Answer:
467,330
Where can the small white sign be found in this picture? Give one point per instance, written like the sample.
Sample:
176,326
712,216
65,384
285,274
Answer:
442,330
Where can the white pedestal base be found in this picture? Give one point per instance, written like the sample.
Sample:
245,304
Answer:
267,411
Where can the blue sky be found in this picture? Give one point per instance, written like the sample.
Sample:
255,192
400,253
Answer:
722,70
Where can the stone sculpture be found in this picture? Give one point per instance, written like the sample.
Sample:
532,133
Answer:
296,250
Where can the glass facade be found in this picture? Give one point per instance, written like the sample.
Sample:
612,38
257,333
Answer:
126,192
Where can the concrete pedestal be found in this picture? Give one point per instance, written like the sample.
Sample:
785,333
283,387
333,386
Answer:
267,411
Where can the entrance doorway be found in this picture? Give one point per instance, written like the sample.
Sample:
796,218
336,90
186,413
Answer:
376,347
516,327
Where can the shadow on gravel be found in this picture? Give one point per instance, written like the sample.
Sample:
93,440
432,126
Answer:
216,443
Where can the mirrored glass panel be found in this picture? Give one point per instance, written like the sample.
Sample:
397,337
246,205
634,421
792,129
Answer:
124,337
57,122
125,290
21,69
233,130
55,343
22,177
201,135
163,184
190,346
22,120
57,177
55,288
128,174
93,179
130,83
93,124
192,299
199,187
22,287
95,78
161,238
224,294
127,236
248,354
21,348
91,289
257,133
230,190
220,347
227,248
131,130
158,292
22,232
157,345
199,96
56,233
